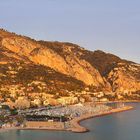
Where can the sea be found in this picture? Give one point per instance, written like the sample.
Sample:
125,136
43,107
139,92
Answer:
118,126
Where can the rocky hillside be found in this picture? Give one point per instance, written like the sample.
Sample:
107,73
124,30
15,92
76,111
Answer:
29,67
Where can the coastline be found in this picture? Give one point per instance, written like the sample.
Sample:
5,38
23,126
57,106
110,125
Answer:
80,129
126,101
75,123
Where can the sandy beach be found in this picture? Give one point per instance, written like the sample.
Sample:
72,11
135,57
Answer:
59,126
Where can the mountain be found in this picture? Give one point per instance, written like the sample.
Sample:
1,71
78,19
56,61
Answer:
43,71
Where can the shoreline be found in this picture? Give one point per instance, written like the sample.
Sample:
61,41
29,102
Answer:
76,126
110,102
126,101
81,129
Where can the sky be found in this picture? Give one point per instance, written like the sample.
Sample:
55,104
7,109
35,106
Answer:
109,25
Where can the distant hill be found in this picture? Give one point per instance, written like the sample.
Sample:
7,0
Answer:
63,69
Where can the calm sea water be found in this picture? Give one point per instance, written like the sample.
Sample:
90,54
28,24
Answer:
119,126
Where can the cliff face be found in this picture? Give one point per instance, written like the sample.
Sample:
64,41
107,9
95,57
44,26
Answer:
62,67
125,77
68,63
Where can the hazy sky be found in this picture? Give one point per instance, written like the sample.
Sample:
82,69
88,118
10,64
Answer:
109,25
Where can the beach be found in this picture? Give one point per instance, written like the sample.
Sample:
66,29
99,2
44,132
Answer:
75,123
80,129
60,126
